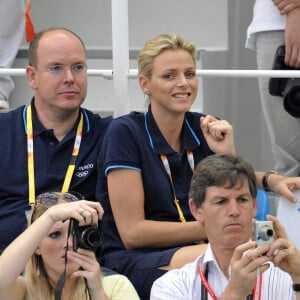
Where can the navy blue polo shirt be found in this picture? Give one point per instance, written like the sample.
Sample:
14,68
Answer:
51,159
135,142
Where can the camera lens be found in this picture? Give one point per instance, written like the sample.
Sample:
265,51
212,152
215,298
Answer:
291,101
266,233
288,88
86,237
92,237
269,233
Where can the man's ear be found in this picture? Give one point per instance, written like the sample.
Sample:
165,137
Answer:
196,211
254,207
31,76
144,84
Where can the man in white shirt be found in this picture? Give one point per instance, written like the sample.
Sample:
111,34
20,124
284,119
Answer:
222,199
277,23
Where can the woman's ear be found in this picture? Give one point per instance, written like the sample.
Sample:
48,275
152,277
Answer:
38,251
144,84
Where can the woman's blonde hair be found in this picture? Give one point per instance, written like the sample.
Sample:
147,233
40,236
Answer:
157,45
39,285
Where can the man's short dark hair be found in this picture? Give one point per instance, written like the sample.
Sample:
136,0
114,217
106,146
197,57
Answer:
220,170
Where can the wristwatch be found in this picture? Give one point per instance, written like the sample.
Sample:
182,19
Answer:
265,181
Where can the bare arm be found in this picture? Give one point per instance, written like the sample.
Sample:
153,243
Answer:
281,185
286,6
126,194
292,38
12,263
291,8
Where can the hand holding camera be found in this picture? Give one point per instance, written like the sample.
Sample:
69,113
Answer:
283,251
84,218
288,88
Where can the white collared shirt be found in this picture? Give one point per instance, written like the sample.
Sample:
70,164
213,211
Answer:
185,283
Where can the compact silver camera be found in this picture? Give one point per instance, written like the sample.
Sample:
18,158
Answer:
263,232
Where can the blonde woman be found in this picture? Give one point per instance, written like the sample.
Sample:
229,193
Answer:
148,159
147,162
45,248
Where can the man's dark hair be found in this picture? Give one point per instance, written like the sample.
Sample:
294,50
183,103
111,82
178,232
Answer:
220,170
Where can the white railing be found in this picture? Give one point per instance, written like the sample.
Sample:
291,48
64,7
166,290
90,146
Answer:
239,73
121,72
132,73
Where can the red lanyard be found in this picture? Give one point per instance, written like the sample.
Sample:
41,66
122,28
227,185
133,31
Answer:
206,284
256,291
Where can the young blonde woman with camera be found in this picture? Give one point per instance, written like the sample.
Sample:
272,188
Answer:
45,251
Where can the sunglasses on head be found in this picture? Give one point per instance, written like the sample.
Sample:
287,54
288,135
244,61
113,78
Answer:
52,198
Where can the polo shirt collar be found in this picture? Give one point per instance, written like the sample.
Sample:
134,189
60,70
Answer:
40,129
189,141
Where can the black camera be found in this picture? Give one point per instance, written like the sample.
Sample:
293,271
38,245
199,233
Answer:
288,88
86,237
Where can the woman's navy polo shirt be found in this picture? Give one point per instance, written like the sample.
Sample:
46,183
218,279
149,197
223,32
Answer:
51,159
135,142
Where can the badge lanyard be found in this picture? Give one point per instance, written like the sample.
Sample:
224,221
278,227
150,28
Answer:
205,285
71,167
165,162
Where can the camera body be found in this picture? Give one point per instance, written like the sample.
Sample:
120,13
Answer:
288,88
263,232
85,237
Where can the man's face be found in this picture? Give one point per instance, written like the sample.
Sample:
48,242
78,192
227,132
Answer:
64,91
227,214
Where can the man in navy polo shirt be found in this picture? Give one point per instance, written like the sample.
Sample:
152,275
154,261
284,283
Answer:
52,143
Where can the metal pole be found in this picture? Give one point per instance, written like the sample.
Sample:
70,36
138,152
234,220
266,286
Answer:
120,45
238,73
132,73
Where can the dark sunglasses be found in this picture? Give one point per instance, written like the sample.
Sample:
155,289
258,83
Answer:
52,198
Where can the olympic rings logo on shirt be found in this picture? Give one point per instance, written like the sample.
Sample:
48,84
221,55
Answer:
83,171
82,174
